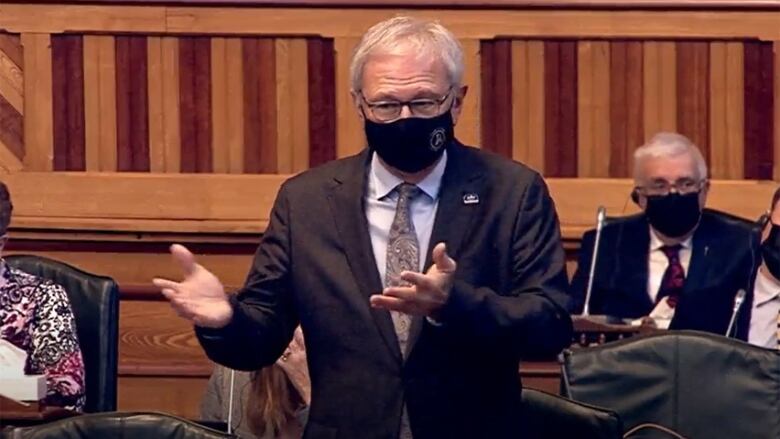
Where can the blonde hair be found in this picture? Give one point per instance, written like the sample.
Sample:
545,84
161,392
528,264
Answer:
667,145
272,401
426,39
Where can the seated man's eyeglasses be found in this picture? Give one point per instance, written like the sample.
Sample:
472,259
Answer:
389,110
662,187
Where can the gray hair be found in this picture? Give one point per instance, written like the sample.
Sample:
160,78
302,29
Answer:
426,38
667,145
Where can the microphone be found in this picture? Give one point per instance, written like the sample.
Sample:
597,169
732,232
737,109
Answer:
601,216
230,401
738,300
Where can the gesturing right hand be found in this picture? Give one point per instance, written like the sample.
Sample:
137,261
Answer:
200,297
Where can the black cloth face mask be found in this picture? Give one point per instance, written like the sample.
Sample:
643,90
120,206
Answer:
411,144
674,215
770,251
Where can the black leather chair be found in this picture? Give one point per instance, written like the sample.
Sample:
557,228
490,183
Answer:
117,425
551,416
95,303
697,384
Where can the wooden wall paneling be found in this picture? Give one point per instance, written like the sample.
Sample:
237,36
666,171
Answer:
260,126
626,116
68,102
292,103
195,103
350,138
321,88
11,136
227,105
40,18
469,128
593,108
11,103
175,395
759,109
163,98
11,77
776,109
560,118
659,86
528,103
100,103
693,90
727,110
38,122
132,105
496,105
11,46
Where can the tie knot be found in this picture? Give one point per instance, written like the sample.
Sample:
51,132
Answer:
408,191
672,252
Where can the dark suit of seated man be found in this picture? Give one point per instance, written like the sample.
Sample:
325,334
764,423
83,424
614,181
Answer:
676,262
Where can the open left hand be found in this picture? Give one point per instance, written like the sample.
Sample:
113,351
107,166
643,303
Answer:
427,293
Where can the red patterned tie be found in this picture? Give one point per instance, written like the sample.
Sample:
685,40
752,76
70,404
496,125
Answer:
674,277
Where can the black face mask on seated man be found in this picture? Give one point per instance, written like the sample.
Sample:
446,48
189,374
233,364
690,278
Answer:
674,214
770,251
411,144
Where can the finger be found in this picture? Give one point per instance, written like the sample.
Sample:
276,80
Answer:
403,293
442,260
422,281
169,293
165,284
184,258
389,303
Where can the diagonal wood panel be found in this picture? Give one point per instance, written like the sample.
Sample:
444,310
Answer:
11,81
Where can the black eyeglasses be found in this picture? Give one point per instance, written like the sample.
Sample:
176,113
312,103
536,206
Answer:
388,110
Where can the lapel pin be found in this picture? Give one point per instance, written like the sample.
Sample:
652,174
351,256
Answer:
470,199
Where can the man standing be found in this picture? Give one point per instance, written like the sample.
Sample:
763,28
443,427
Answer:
421,270
676,262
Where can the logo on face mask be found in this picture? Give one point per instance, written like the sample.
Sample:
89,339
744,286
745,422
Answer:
438,139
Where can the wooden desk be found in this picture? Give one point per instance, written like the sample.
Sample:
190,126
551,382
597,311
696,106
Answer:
15,414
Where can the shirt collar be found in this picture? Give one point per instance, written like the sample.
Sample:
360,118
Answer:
766,288
656,243
383,182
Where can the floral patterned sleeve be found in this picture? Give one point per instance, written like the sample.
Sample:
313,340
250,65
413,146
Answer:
55,349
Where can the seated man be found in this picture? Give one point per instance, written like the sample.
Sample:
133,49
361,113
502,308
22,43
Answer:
674,261
759,321
35,316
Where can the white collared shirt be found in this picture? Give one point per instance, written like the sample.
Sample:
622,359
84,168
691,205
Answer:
766,306
658,262
381,201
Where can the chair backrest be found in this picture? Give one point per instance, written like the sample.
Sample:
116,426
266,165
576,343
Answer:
118,425
551,416
95,303
698,384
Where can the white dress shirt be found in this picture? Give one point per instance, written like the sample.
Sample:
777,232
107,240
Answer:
381,201
766,306
658,262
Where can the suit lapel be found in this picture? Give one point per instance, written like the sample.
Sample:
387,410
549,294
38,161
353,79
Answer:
346,199
701,247
454,216
635,255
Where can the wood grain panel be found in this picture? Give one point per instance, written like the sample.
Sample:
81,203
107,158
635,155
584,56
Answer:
11,128
68,102
100,103
593,112
468,129
626,129
132,104
693,90
259,105
11,81
227,109
195,103
163,98
177,396
659,85
292,104
350,138
496,121
727,104
38,123
9,161
759,109
528,103
321,65
11,46
560,118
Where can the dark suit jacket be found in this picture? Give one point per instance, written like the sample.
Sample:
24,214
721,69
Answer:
720,266
315,264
